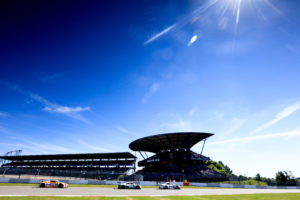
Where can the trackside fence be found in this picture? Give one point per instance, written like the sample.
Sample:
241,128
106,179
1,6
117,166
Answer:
147,183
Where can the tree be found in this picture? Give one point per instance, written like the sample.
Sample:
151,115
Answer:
281,177
228,171
257,177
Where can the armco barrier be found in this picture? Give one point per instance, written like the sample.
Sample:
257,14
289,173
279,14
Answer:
250,186
111,182
148,183
76,181
4,180
34,181
96,182
213,185
16,180
226,185
199,184
238,186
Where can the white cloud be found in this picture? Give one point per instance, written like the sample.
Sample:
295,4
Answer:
72,112
96,148
166,30
193,110
258,137
65,109
69,111
153,88
3,114
278,117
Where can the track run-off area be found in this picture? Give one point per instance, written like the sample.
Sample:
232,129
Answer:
97,191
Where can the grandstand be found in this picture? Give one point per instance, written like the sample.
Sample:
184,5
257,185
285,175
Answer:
173,157
90,165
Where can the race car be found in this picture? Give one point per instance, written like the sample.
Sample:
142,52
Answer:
129,185
169,185
53,184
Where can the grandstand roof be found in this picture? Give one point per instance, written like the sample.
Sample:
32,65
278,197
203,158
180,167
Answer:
119,155
168,141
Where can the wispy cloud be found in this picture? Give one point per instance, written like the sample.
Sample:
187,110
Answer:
217,115
51,148
258,137
65,109
192,111
179,125
153,88
3,114
273,7
96,148
20,146
73,112
21,141
235,124
126,131
163,32
68,111
278,117
5,130
39,148
123,130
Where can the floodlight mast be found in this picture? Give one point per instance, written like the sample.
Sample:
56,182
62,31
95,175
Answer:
10,153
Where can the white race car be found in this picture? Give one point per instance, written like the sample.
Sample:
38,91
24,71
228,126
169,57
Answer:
169,185
129,185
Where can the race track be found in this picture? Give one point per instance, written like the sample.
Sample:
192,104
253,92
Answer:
92,191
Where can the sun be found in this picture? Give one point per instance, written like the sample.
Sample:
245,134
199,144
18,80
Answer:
235,6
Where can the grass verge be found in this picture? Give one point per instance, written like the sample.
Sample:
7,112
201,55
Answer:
247,182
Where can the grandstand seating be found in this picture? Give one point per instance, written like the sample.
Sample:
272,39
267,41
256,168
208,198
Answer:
99,166
173,158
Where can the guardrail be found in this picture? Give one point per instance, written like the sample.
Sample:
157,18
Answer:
147,183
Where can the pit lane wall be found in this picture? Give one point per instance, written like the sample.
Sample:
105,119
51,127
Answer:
147,183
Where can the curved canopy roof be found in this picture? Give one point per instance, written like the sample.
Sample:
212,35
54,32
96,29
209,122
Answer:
168,141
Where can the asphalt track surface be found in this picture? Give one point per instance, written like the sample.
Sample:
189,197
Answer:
92,191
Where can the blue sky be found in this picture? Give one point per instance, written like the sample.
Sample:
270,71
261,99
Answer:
93,76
